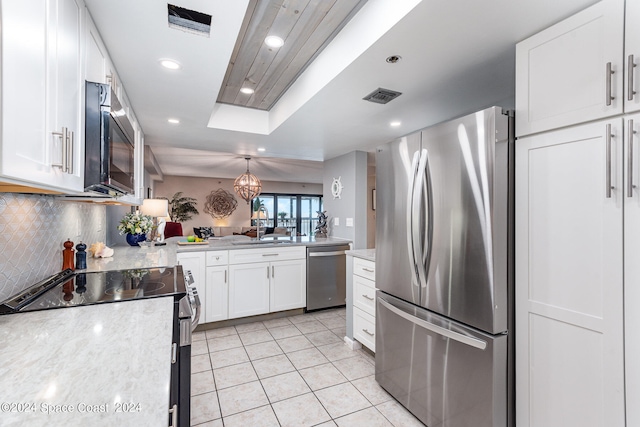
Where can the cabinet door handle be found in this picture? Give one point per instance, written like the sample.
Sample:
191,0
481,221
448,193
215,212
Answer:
70,152
367,297
631,132
273,271
608,185
630,66
366,331
63,141
225,276
608,96
267,271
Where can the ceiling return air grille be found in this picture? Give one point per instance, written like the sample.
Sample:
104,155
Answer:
382,96
189,20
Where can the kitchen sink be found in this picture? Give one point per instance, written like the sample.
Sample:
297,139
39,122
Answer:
260,242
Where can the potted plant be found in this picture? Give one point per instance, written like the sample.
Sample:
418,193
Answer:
282,215
182,208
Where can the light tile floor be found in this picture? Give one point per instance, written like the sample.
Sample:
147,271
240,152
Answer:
294,371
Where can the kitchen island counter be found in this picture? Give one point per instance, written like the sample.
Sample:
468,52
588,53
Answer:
100,365
131,257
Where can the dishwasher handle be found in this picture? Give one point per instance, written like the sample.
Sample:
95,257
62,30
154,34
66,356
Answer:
334,253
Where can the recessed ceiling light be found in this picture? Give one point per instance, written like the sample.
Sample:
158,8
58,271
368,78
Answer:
173,121
170,64
274,41
262,150
246,90
395,124
393,59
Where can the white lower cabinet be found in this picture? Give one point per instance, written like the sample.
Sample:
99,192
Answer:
248,282
364,302
248,289
217,294
288,288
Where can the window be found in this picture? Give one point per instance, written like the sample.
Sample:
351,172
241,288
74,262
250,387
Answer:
295,212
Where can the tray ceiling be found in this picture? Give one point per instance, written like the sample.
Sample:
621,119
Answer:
306,26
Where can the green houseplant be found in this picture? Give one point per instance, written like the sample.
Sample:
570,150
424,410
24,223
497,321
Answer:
182,208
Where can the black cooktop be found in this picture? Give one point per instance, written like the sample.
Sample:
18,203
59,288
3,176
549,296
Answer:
68,288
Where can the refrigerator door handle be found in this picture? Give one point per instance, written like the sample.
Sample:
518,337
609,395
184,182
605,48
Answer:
422,250
464,339
410,228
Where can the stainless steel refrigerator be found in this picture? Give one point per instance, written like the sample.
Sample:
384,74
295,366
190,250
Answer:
444,270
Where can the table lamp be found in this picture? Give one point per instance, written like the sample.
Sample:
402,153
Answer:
158,209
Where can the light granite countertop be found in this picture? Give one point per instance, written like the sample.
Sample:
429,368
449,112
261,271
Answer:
129,257
50,372
368,254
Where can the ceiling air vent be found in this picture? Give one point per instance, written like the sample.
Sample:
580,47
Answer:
382,96
189,20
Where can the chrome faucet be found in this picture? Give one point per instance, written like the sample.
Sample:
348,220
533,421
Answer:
259,219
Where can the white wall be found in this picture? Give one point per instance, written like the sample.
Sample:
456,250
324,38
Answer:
351,168
200,188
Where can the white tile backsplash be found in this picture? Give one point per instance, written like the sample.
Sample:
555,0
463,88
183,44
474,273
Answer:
32,231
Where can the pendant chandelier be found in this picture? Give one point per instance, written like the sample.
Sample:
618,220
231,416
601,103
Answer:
247,185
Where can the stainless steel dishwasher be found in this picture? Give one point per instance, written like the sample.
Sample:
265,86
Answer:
326,276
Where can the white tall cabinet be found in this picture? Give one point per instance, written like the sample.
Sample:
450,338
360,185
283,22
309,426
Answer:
578,221
42,91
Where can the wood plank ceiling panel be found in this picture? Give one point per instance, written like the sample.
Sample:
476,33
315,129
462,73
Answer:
307,26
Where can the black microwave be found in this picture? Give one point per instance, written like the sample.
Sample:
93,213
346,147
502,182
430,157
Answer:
109,143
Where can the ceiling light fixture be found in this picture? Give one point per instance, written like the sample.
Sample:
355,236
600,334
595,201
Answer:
393,59
170,64
247,90
173,121
274,41
247,185
262,149
395,124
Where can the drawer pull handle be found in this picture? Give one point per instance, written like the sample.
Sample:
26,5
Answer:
269,254
368,270
367,297
367,332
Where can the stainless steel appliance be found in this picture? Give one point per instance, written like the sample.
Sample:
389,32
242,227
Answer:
67,289
326,276
109,142
444,270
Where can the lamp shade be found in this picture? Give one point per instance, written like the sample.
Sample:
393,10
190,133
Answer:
155,207
261,214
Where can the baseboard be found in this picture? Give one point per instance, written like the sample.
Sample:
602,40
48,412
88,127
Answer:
352,344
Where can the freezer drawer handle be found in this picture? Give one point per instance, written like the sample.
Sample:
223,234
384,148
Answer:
335,253
366,331
473,342
367,297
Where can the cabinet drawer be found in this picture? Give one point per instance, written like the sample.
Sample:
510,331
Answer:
278,253
364,294
364,268
217,258
364,328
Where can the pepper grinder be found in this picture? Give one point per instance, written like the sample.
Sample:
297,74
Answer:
67,255
81,256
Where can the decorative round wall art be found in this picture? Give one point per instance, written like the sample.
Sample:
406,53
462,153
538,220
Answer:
220,203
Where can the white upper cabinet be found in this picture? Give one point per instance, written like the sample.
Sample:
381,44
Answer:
632,56
572,72
42,91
